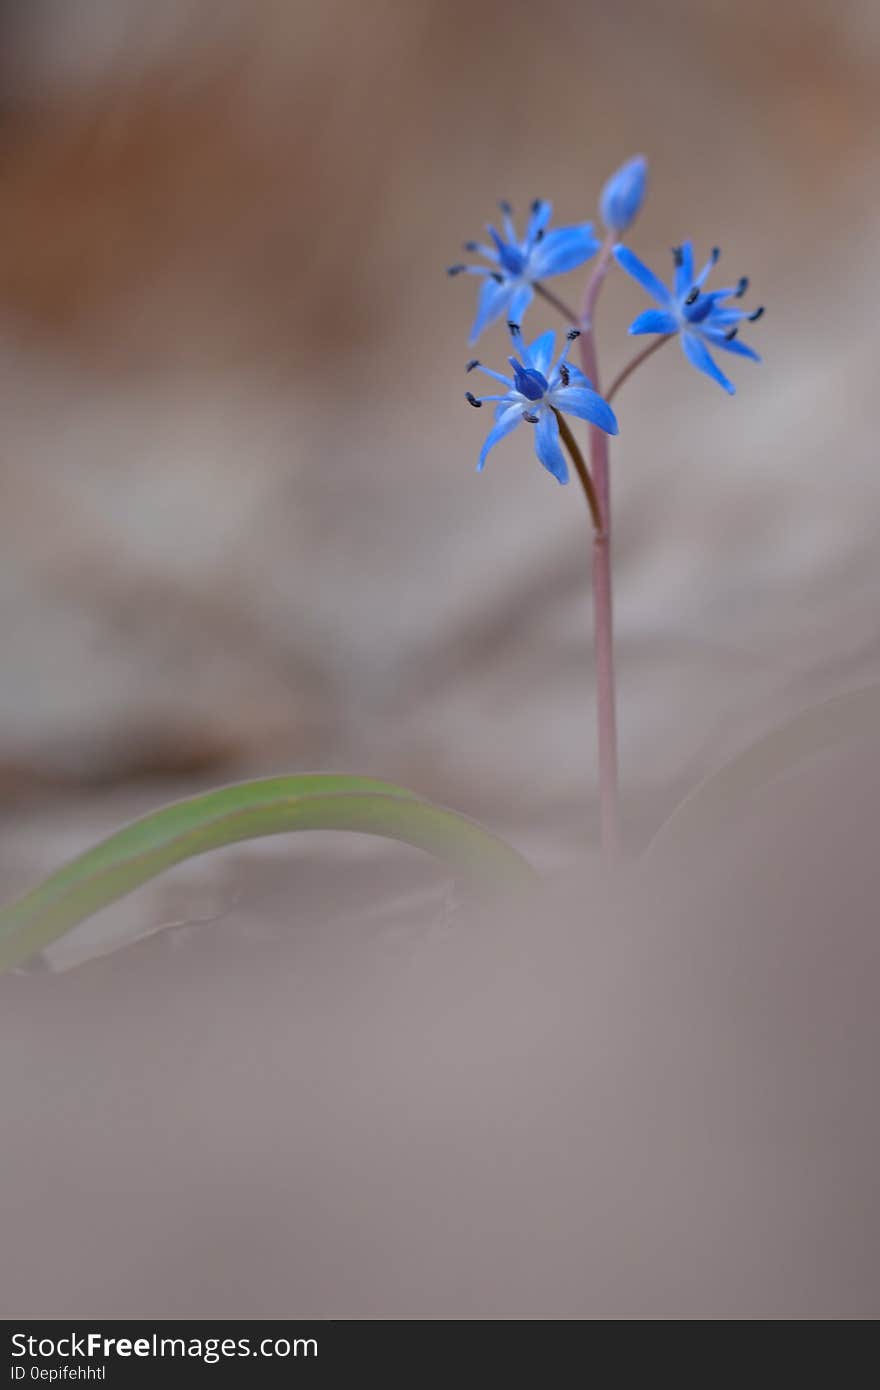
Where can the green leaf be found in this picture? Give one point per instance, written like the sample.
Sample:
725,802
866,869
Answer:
728,793
268,806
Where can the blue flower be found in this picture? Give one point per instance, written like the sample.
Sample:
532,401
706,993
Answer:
623,194
515,265
536,391
703,320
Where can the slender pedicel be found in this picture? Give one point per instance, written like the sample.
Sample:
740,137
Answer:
603,616
558,304
626,372
582,471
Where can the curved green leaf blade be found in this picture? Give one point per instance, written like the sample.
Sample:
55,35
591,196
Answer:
268,806
715,802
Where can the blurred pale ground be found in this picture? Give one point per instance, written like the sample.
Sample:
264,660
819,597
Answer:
241,530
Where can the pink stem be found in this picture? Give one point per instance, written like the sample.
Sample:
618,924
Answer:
603,612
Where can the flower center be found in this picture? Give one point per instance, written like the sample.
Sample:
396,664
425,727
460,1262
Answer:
695,308
511,258
529,382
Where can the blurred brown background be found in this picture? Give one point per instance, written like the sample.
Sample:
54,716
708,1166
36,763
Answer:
241,533
241,529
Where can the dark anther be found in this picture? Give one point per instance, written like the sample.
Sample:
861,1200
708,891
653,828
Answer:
731,334
536,204
759,313
455,269
693,296
472,400
716,252
514,329
471,246
539,235
572,334
677,256
564,375
531,419
474,362
741,288
505,207
497,277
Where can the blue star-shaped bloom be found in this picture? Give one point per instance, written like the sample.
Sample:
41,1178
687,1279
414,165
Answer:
703,320
515,265
536,391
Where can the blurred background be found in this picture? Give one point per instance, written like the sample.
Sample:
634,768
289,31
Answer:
241,531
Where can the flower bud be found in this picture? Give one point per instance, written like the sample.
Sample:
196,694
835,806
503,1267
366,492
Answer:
623,193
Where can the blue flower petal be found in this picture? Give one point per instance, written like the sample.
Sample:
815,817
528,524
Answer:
726,318
494,299
508,419
487,371
707,270
587,405
542,211
564,249
684,270
577,377
623,193
471,270
520,301
547,445
698,355
719,340
655,321
479,248
645,277
540,352
716,295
